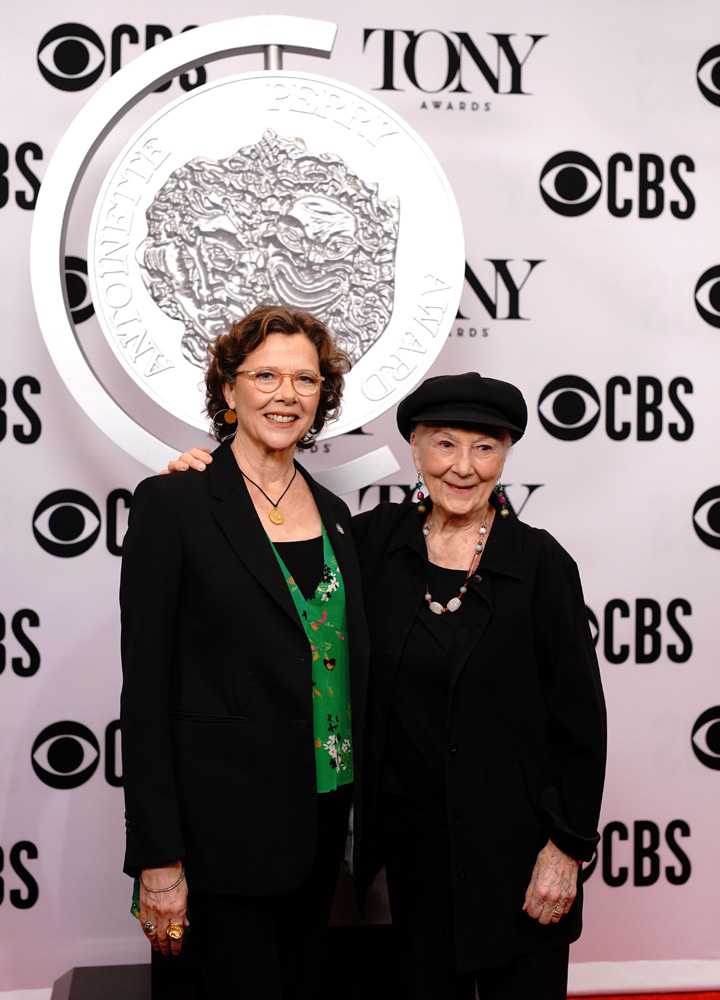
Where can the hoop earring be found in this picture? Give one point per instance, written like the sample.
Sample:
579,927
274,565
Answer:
225,424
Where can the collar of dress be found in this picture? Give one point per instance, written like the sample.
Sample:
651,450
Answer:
503,549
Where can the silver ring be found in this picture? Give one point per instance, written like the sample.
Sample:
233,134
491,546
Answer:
149,927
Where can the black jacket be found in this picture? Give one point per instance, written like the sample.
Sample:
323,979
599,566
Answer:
525,725
218,755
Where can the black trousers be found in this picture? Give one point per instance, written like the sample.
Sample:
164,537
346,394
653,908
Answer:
417,864
271,947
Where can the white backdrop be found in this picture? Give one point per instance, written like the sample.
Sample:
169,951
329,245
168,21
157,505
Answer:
581,143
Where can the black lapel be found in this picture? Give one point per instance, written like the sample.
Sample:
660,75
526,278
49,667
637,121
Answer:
235,513
502,556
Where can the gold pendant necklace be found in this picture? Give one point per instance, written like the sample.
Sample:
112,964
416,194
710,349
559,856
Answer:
275,515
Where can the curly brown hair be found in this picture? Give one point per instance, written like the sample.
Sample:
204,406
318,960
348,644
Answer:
231,349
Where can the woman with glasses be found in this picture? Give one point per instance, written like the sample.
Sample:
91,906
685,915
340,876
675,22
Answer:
244,660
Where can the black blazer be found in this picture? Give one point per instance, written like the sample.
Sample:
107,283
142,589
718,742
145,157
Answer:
216,714
525,724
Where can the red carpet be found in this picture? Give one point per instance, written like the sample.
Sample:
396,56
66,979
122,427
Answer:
660,996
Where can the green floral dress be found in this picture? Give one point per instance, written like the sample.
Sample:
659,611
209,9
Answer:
324,619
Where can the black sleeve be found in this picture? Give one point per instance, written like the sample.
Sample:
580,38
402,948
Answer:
149,594
572,692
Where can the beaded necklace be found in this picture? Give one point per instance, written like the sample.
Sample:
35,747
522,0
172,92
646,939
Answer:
455,602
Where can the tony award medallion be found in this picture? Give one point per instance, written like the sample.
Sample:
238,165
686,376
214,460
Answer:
270,187
283,188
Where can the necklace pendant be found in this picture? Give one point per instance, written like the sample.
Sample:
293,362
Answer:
454,603
275,516
436,608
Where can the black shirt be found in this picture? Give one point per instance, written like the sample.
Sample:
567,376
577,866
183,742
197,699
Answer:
305,561
414,757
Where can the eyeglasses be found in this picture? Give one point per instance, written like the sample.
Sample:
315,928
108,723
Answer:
270,379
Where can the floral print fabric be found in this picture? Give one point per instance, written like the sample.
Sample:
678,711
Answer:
324,619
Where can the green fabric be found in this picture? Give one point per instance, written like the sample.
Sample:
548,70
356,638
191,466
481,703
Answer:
324,619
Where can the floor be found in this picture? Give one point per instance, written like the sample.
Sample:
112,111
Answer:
45,995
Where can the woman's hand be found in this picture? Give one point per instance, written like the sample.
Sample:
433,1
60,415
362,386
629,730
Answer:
553,885
197,458
160,909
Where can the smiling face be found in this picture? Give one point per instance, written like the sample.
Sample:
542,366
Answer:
274,421
460,466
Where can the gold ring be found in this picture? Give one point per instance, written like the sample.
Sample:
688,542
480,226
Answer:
175,931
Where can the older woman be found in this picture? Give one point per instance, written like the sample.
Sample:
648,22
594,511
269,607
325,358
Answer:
485,727
485,736
243,647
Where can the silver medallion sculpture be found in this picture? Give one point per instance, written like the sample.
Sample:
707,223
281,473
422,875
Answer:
268,187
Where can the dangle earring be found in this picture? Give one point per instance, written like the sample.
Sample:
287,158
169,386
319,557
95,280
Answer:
420,495
225,423
502,499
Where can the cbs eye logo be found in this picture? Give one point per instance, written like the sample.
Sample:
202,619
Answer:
66,523
570,183
708,75
706,517
71,57
569,407
707,295
65,755
706,738
81,307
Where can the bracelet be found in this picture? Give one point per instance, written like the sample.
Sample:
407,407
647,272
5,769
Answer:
167,887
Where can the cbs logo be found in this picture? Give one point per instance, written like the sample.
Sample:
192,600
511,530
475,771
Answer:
708,75
29,431
23,153
78,293
23,666
66,755
643,854
571,184
706,517
18,855
569,408
642,631
707,295
67,523
72,57
706,738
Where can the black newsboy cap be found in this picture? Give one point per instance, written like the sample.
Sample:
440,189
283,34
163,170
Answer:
464,399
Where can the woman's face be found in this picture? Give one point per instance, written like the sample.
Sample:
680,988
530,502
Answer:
275,421
459,466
